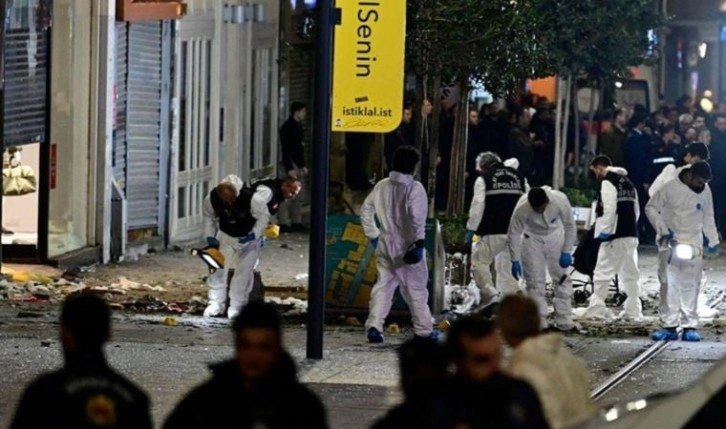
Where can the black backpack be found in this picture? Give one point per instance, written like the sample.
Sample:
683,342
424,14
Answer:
585,256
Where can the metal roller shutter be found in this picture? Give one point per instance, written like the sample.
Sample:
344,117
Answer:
143,123
119,132
26,79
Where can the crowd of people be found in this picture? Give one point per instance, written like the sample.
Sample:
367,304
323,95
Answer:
642,142
464,382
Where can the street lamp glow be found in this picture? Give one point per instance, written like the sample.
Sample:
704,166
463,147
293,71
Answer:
618,85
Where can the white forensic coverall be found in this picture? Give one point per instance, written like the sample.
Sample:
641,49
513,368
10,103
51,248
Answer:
490,248
690,216
669,173
400,205
559,377
616,257
537,240
243,258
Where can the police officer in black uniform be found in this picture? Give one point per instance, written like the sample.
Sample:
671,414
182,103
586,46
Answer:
496,193
86,393
616,227
235,225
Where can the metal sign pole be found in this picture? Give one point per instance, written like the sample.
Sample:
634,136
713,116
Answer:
319,182
3,10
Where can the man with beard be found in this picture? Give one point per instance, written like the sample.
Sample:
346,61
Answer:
682,214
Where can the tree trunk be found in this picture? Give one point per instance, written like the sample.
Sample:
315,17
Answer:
419,120
434,136
565,126
455,204
558,135
578,130
591,119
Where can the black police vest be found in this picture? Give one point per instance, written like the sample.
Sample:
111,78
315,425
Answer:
237,220
504,188
627,223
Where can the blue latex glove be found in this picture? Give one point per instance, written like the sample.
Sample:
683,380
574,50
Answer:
516,269
565,260
603,236
414,255
374,243
213,242
263,241
712,251
247,238
469,237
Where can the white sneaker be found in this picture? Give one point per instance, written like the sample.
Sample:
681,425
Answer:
214,309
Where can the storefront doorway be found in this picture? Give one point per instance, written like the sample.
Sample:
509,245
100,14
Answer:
25,125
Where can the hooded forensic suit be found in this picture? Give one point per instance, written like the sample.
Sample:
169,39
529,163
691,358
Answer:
617,218
538,240
689,215
669,173
496,193
250,213
559,377
400,205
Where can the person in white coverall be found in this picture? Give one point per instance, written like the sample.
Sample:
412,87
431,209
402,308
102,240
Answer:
543,360
235,221
616,227
682,213
542,234
694,152
400,205
496,193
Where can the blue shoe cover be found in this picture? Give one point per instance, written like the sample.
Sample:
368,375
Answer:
691,335
375,336
668,334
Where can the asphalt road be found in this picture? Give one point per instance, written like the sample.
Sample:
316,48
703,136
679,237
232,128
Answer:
356,381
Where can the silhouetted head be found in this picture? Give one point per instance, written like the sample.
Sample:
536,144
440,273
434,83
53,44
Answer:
599,166
298,111
538,199
518,318
696,152
423,364
290,188
85,323
486,160
474,347
258,340
227,193
405,159
697,176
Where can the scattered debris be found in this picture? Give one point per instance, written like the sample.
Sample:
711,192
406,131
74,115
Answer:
352,321
29,315
289,306
393,329
461,299
170,321
45,343
302,276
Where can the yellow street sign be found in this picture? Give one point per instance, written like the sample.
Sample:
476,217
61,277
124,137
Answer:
368,65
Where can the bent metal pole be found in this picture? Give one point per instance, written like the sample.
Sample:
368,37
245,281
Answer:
319,182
